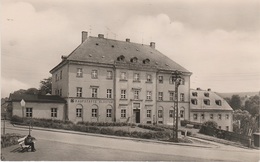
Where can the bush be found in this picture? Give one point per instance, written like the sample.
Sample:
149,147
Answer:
150,127
209,128
16,119
184,122
10,139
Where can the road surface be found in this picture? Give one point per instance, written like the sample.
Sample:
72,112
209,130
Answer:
60,146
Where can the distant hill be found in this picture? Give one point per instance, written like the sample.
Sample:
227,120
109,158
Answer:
241,94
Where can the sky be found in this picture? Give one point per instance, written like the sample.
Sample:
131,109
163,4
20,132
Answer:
217,40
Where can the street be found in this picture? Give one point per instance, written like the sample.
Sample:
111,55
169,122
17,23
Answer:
74,147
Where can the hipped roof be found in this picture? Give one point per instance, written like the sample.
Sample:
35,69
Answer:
36,98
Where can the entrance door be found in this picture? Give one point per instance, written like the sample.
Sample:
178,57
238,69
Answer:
137,116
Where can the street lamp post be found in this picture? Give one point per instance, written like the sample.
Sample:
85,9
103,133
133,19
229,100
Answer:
23,106
177,80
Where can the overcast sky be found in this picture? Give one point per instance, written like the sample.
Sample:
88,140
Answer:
218,41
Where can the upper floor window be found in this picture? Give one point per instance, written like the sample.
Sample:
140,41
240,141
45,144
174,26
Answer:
206,101
61,74
194,101
182,81
219,116
211,116
94,74
182,97
123,94
160,79
54,112
206,94
160,96
195,94
121,58
218,102
172,96
134,59
123,76
56,77
171,80
146,61
227,116
195,116
149,78
149,95
109,74
79,92
136,94
79,72
109,93
136,77
202,116
94,93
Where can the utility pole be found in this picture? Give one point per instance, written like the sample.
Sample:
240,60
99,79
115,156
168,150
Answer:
177,80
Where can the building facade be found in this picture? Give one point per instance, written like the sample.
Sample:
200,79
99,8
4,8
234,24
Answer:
106,80
206,105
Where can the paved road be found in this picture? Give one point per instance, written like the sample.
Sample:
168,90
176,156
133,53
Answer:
74,147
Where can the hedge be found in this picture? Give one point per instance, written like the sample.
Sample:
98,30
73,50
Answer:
10,139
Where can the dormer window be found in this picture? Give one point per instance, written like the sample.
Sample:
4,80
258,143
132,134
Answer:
206,94
146,61
195,94
218,102
134,59
206,101
121,58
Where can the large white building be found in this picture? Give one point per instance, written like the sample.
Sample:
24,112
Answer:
109,80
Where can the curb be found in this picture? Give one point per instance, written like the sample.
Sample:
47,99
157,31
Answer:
116,137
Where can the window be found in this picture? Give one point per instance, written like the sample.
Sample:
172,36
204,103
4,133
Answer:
182,97
123,94
227,128
206,101
109,74
136,77
94,112
206,94
149,112
171,113
123,76
219,116
194,101
79,72
136,94
79,92
29,112
227,116
53,112
123,113
211,116
109,93
149,78
60,92
160,114
195,116
195,94
133,59
202,116
182,113
218,102
171,80
94,92
78,112
219,127
149,95
61,74
109,113
94,74
182,81
160,96
160,79
171,96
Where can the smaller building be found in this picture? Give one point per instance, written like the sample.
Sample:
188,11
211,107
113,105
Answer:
37,106
206,105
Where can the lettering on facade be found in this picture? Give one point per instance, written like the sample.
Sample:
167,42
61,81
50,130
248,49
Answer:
91,101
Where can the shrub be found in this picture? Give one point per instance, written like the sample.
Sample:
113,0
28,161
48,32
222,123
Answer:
10,139
108,131
16,119
209,128
184,122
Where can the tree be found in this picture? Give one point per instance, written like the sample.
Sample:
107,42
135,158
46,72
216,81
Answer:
253,105
28,91
45,86
228,100
236,102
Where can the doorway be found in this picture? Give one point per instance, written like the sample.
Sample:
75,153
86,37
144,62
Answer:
137,115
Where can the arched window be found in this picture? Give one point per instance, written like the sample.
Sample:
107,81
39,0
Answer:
146,61
182,112
79,108
94,111
121,58
171,112
160,112
134,59
109,111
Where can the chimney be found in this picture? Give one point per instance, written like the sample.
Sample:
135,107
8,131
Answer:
127,40
64,57
198,89
209,89
84,36
152,44
100,35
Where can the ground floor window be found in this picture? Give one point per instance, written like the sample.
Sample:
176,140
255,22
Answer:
149,112
182,113
94,112
211,116
78,112
54,112
160,114
109,113
171,113
123,113
29,112
195,116
227,128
